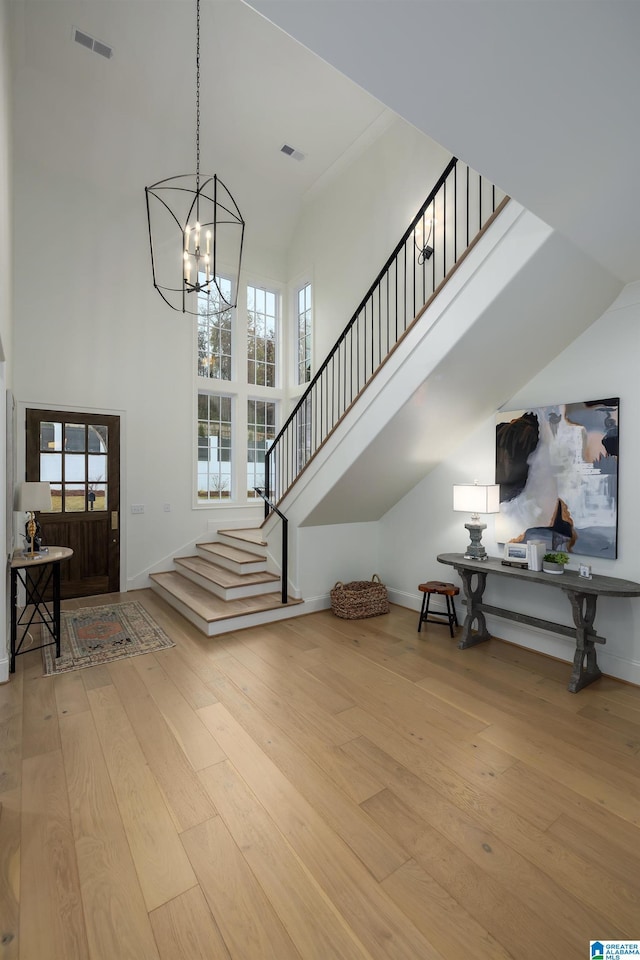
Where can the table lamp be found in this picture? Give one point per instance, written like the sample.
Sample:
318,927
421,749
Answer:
476,498
34,496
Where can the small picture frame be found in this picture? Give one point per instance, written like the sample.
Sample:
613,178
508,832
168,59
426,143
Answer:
515,554
584,571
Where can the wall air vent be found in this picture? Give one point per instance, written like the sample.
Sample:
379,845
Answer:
292,152
92,44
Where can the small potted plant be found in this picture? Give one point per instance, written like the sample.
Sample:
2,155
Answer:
554,562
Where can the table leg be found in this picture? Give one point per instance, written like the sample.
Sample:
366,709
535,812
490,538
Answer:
14,620
473,594
56,606
585,661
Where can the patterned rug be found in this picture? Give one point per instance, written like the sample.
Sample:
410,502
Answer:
96,635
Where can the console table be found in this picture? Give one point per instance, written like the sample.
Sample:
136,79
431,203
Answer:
36,574
582,593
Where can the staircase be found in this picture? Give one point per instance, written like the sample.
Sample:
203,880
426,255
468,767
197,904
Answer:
225,586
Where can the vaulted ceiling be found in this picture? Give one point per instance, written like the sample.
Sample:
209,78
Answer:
540,97
129,121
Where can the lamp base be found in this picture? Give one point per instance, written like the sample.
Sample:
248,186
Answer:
33,536
475,550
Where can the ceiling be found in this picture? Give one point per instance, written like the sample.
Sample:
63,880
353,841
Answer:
129,121
538,95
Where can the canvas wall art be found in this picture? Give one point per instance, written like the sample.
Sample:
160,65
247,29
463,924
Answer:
557,467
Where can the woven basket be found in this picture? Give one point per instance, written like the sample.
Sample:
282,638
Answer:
360,599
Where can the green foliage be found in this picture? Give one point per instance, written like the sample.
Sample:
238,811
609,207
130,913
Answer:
558,557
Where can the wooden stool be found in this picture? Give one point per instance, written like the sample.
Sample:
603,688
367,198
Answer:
446,590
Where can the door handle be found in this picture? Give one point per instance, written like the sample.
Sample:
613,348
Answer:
114,519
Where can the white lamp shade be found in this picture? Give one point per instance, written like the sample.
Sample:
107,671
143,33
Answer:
476,497
34,496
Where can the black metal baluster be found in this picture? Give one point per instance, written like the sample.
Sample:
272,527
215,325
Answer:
455,214
380,322
328,395
468,205
387,307
444,229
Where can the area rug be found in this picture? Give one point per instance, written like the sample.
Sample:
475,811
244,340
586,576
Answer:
94,635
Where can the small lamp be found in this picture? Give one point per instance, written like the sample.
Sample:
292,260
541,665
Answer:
32,497
476,498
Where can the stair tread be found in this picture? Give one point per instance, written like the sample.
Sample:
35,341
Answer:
209,607
248,534
221,575
231,553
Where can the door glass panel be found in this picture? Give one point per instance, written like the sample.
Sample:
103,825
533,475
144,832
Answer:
97,468
97,438
97,496
50,435
74,467
74,497
74,437
51,467
56,498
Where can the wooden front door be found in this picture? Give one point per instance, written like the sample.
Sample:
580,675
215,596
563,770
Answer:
79,454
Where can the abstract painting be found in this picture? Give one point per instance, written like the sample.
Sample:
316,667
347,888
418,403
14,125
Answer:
557,467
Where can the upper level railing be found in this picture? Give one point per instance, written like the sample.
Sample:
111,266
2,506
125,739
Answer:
449,222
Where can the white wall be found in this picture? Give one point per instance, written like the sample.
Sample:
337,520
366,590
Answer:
5,305
351,223
602,362
347,551
5,192
91,333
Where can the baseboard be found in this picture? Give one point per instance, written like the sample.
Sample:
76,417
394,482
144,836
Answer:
322,602
413,602
552,645
4,670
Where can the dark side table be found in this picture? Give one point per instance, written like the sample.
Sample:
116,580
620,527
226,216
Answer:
582,594
37,575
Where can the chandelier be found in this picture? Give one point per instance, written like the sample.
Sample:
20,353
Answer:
196,232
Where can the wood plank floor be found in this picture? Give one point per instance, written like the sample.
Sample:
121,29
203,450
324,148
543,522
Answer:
316,789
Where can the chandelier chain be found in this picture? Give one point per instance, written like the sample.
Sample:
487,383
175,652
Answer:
198,95
210,226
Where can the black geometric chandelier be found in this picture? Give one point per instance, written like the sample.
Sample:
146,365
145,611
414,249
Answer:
196,233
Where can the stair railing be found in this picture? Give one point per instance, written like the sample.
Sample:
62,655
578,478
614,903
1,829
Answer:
284,557
457,211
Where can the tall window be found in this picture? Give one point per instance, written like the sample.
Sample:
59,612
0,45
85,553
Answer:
214,447
262,325
239,395
304,334
214,334
261,430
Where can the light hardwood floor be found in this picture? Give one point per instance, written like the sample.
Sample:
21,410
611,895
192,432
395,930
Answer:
317,789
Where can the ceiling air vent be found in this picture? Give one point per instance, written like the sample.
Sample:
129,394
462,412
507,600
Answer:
292,152
91,44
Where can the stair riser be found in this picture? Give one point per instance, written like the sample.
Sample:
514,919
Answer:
219,627
286,612
229,593
187,613
232,565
